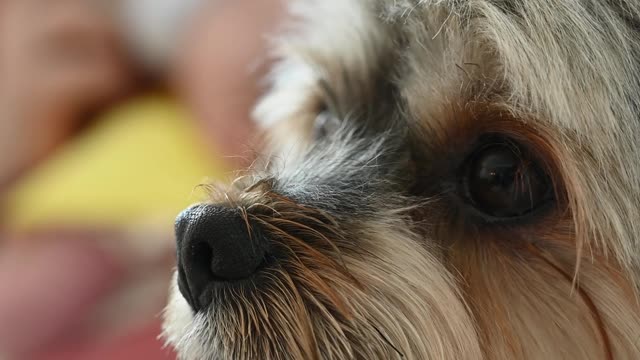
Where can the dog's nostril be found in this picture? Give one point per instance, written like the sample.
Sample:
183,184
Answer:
201,260
215,244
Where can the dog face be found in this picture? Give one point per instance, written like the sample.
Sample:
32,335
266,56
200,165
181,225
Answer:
450,180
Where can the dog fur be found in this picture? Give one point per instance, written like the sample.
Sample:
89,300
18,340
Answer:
382,263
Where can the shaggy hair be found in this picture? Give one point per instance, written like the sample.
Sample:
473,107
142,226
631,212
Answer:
378,257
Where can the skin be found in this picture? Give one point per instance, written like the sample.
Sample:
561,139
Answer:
218,76
54,66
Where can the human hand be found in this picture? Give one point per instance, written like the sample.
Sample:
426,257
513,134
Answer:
219,67
57,60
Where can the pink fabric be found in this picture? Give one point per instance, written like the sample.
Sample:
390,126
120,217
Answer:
47,289
140,344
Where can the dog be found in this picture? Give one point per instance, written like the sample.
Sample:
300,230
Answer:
447,179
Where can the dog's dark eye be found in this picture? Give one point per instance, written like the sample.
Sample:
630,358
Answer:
501,181
325,124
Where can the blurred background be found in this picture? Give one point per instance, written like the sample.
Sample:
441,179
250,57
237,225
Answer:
111,113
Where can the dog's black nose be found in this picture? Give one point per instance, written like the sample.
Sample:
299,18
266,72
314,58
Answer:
214,244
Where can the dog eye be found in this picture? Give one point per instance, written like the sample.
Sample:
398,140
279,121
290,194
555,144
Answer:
325,124
501,181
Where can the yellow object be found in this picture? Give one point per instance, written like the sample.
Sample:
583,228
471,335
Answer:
141,161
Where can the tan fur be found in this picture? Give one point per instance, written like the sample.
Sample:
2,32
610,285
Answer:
410,280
